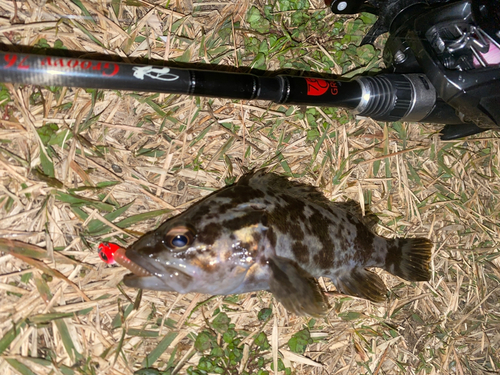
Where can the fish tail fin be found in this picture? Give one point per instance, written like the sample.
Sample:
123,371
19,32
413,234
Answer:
409,258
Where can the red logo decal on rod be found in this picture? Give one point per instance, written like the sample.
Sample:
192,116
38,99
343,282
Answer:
316,87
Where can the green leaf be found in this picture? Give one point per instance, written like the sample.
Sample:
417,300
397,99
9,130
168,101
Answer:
115,4
350,315
229,335
99,186
141,332
42,176
221,322
47,164
253,15
105,184
88,33
217,351
65,370
200,136
86,13
155,106
46,132
42,287
97,227
58,44
20,160
299,341
257,21
261,341
26,277
117,320
148,371
46,318
376,167
77,201
60,138
203,341
368,18
32,251
18,366
149,152
10,335
264,314
82,215
67,340
414,175
160,349
317,146
131,220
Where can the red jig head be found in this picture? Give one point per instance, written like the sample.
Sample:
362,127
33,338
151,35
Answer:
107,251
111,253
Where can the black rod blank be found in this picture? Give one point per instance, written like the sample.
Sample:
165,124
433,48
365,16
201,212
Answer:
63,71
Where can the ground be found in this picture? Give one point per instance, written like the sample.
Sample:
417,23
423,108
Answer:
78,167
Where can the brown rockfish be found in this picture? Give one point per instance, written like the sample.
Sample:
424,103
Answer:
268,233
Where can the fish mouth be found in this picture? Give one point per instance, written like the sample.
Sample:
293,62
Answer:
171,280
157,275
140,277
154,276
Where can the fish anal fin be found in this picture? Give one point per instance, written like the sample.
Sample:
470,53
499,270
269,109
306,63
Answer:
296,289
362,283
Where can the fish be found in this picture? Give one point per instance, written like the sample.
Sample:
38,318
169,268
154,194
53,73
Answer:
266,232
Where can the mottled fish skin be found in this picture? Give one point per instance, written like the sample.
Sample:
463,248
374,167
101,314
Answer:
268,233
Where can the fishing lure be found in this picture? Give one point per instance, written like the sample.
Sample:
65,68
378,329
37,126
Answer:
111,253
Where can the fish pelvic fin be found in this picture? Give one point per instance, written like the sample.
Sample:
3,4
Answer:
296,289
409,258
362,283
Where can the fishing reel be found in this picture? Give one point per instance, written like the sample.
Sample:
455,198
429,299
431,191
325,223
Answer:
446,54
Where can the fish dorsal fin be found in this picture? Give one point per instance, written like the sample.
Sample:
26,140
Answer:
354,208
281,184
267,181
296,289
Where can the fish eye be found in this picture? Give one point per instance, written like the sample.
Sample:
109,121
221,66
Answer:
179,237
180,241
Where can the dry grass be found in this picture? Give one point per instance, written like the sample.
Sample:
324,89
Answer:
164,152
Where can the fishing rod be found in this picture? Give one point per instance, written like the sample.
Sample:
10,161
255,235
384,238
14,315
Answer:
444,68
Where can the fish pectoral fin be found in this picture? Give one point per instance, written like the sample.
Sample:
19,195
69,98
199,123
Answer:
362,283
296,289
